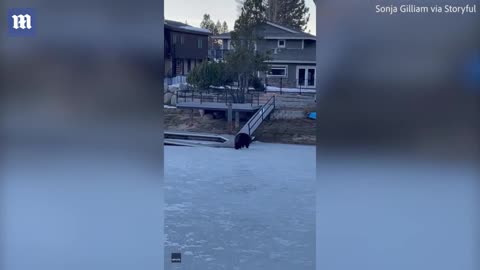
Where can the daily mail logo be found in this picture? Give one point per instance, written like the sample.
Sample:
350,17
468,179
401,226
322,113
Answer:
21,22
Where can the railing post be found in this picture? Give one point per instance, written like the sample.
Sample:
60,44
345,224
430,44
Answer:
281,85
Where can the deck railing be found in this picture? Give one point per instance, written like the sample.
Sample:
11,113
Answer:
259,116
218,97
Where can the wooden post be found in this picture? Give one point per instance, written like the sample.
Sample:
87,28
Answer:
237,119
191,117
229,117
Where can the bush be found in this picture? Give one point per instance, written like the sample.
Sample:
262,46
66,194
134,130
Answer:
257,84
209,74
198,76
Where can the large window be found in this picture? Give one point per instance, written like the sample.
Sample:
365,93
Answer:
182,39
278,71
200,43
174,39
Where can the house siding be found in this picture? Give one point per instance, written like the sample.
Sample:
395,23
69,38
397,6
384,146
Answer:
189,49
178,54
300,50
290,81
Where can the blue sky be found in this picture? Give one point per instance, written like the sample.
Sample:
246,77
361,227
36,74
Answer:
224,10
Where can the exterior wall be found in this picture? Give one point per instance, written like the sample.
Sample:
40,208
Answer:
189,48
178,54
294,44
290,81
297,52
289,54
293,50
270,44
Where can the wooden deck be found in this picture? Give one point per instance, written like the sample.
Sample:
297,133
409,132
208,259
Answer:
214,106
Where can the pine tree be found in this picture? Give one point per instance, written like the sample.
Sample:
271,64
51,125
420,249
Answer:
252,15
207,23
218,27
244,61
291,13
224,28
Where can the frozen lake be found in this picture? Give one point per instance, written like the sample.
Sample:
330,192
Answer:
388,212
240,209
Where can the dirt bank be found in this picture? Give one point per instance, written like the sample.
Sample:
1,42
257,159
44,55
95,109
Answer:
295,131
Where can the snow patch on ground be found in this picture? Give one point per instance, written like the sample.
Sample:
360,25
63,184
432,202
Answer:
290,90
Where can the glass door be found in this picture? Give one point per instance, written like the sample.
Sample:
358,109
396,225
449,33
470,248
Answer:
311,78
306,77
301,77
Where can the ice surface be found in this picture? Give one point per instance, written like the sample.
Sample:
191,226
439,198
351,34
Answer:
240,209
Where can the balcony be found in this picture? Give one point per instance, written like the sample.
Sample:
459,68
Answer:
217,53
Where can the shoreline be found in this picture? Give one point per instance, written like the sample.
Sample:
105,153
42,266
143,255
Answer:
294,131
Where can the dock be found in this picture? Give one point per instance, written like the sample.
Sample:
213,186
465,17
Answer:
194,139
262,112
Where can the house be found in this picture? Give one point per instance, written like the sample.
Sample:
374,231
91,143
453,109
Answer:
292,53
185,47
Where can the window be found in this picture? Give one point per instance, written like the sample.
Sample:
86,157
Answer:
277,71
174,38
200,43
182,39
282,43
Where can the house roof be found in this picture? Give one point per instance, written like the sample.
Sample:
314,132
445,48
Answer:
287,33
182,27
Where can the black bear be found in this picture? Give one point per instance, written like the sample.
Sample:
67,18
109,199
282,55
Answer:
242,140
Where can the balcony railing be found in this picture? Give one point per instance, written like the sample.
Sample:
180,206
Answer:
205,96
217,53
